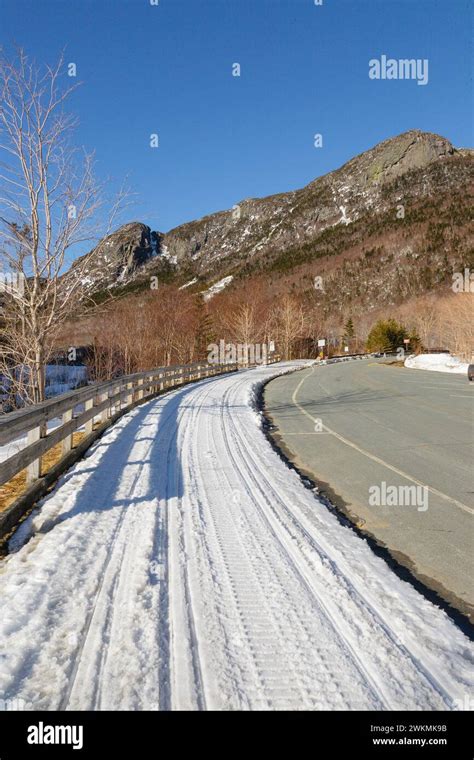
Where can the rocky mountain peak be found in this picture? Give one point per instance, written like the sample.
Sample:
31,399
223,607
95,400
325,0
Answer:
396,156
126,249
281,231
118,257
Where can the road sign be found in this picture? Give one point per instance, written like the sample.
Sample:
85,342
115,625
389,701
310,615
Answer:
321,343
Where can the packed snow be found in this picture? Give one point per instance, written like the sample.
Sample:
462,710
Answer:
437,363
183,565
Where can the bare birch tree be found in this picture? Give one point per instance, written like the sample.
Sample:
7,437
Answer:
291,322
49,203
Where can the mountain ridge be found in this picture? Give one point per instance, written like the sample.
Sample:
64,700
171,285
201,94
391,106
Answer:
283,231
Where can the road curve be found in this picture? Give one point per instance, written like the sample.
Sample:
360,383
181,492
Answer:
182,565
379,423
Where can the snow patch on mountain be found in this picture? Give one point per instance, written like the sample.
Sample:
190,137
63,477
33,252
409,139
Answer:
217,287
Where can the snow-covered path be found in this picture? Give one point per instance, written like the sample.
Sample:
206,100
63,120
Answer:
182,565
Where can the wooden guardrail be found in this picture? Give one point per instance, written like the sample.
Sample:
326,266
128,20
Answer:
78,410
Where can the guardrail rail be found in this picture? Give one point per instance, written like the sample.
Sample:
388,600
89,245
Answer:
93,409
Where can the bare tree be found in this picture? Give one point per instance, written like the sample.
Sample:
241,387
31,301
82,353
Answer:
49,203
291,322
422,316
137,333
457,324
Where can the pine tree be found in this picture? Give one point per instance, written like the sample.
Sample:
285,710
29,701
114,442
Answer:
205,330
349,331
386,335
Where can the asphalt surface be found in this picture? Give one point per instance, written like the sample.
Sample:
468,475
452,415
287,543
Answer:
355,425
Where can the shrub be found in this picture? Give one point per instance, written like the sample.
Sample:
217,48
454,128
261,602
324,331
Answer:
386,335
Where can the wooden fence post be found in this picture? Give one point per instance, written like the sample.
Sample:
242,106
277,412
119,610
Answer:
33,471
89,426
130,394
66,445
105,414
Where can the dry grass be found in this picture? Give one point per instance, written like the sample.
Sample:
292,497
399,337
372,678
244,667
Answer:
15,487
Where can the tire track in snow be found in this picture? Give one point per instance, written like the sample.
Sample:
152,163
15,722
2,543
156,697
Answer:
84,650
30,547
240,585
108,586
256,493
255,467
209,538
181,574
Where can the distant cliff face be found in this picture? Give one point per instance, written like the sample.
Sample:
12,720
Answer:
277,222
119,257
385,200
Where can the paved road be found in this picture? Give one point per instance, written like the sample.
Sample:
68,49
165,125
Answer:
382,423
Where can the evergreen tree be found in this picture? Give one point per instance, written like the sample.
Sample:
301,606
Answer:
386,335
205,329
349,329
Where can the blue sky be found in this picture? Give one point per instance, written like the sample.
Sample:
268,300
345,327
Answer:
167,69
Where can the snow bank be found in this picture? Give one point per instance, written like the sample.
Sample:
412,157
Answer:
437,363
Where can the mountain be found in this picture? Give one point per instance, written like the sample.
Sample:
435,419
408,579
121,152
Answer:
402,208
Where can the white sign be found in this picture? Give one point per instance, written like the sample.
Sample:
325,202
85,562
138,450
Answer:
321,343
346,348
271,345
406,340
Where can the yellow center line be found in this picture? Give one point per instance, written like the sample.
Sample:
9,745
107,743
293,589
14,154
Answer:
374,458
